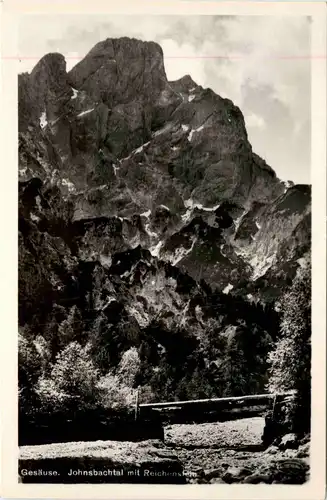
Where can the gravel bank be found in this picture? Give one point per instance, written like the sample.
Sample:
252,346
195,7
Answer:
230,452
241,433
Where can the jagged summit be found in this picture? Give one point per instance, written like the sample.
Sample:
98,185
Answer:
185,84
120,69
51,63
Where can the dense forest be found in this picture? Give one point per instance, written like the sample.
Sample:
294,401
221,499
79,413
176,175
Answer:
83,363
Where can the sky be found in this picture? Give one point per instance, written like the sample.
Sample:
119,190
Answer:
261,63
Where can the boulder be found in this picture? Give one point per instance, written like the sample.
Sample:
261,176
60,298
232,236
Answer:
217,480
199,472
257,478
290,453
212,473
289,471
272,450
303,451
305,439
235,474
289,441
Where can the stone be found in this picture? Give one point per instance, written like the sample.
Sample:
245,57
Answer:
303,451
290,453
257,478
193,481
235,474
272,450
212,473
289,471
224,465
217,480
305,439
199,471
289,441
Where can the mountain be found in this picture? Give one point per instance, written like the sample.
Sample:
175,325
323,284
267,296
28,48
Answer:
147,221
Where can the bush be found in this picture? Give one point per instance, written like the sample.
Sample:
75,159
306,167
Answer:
29,363
115,394
72,382
129,366
32,362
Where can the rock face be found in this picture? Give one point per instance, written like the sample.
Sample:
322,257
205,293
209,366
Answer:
143,206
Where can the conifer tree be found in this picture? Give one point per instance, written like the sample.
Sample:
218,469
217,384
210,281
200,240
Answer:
290,359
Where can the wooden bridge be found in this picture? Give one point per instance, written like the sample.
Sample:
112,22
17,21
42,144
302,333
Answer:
228,408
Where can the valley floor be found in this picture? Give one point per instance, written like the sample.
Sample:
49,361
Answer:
220,452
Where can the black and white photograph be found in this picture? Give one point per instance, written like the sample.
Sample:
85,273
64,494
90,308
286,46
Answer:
164,249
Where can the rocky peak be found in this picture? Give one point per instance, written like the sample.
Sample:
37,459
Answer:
186,85
118,71
45,91
122,143
51,68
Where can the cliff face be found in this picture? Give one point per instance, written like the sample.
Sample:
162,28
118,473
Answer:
143,207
